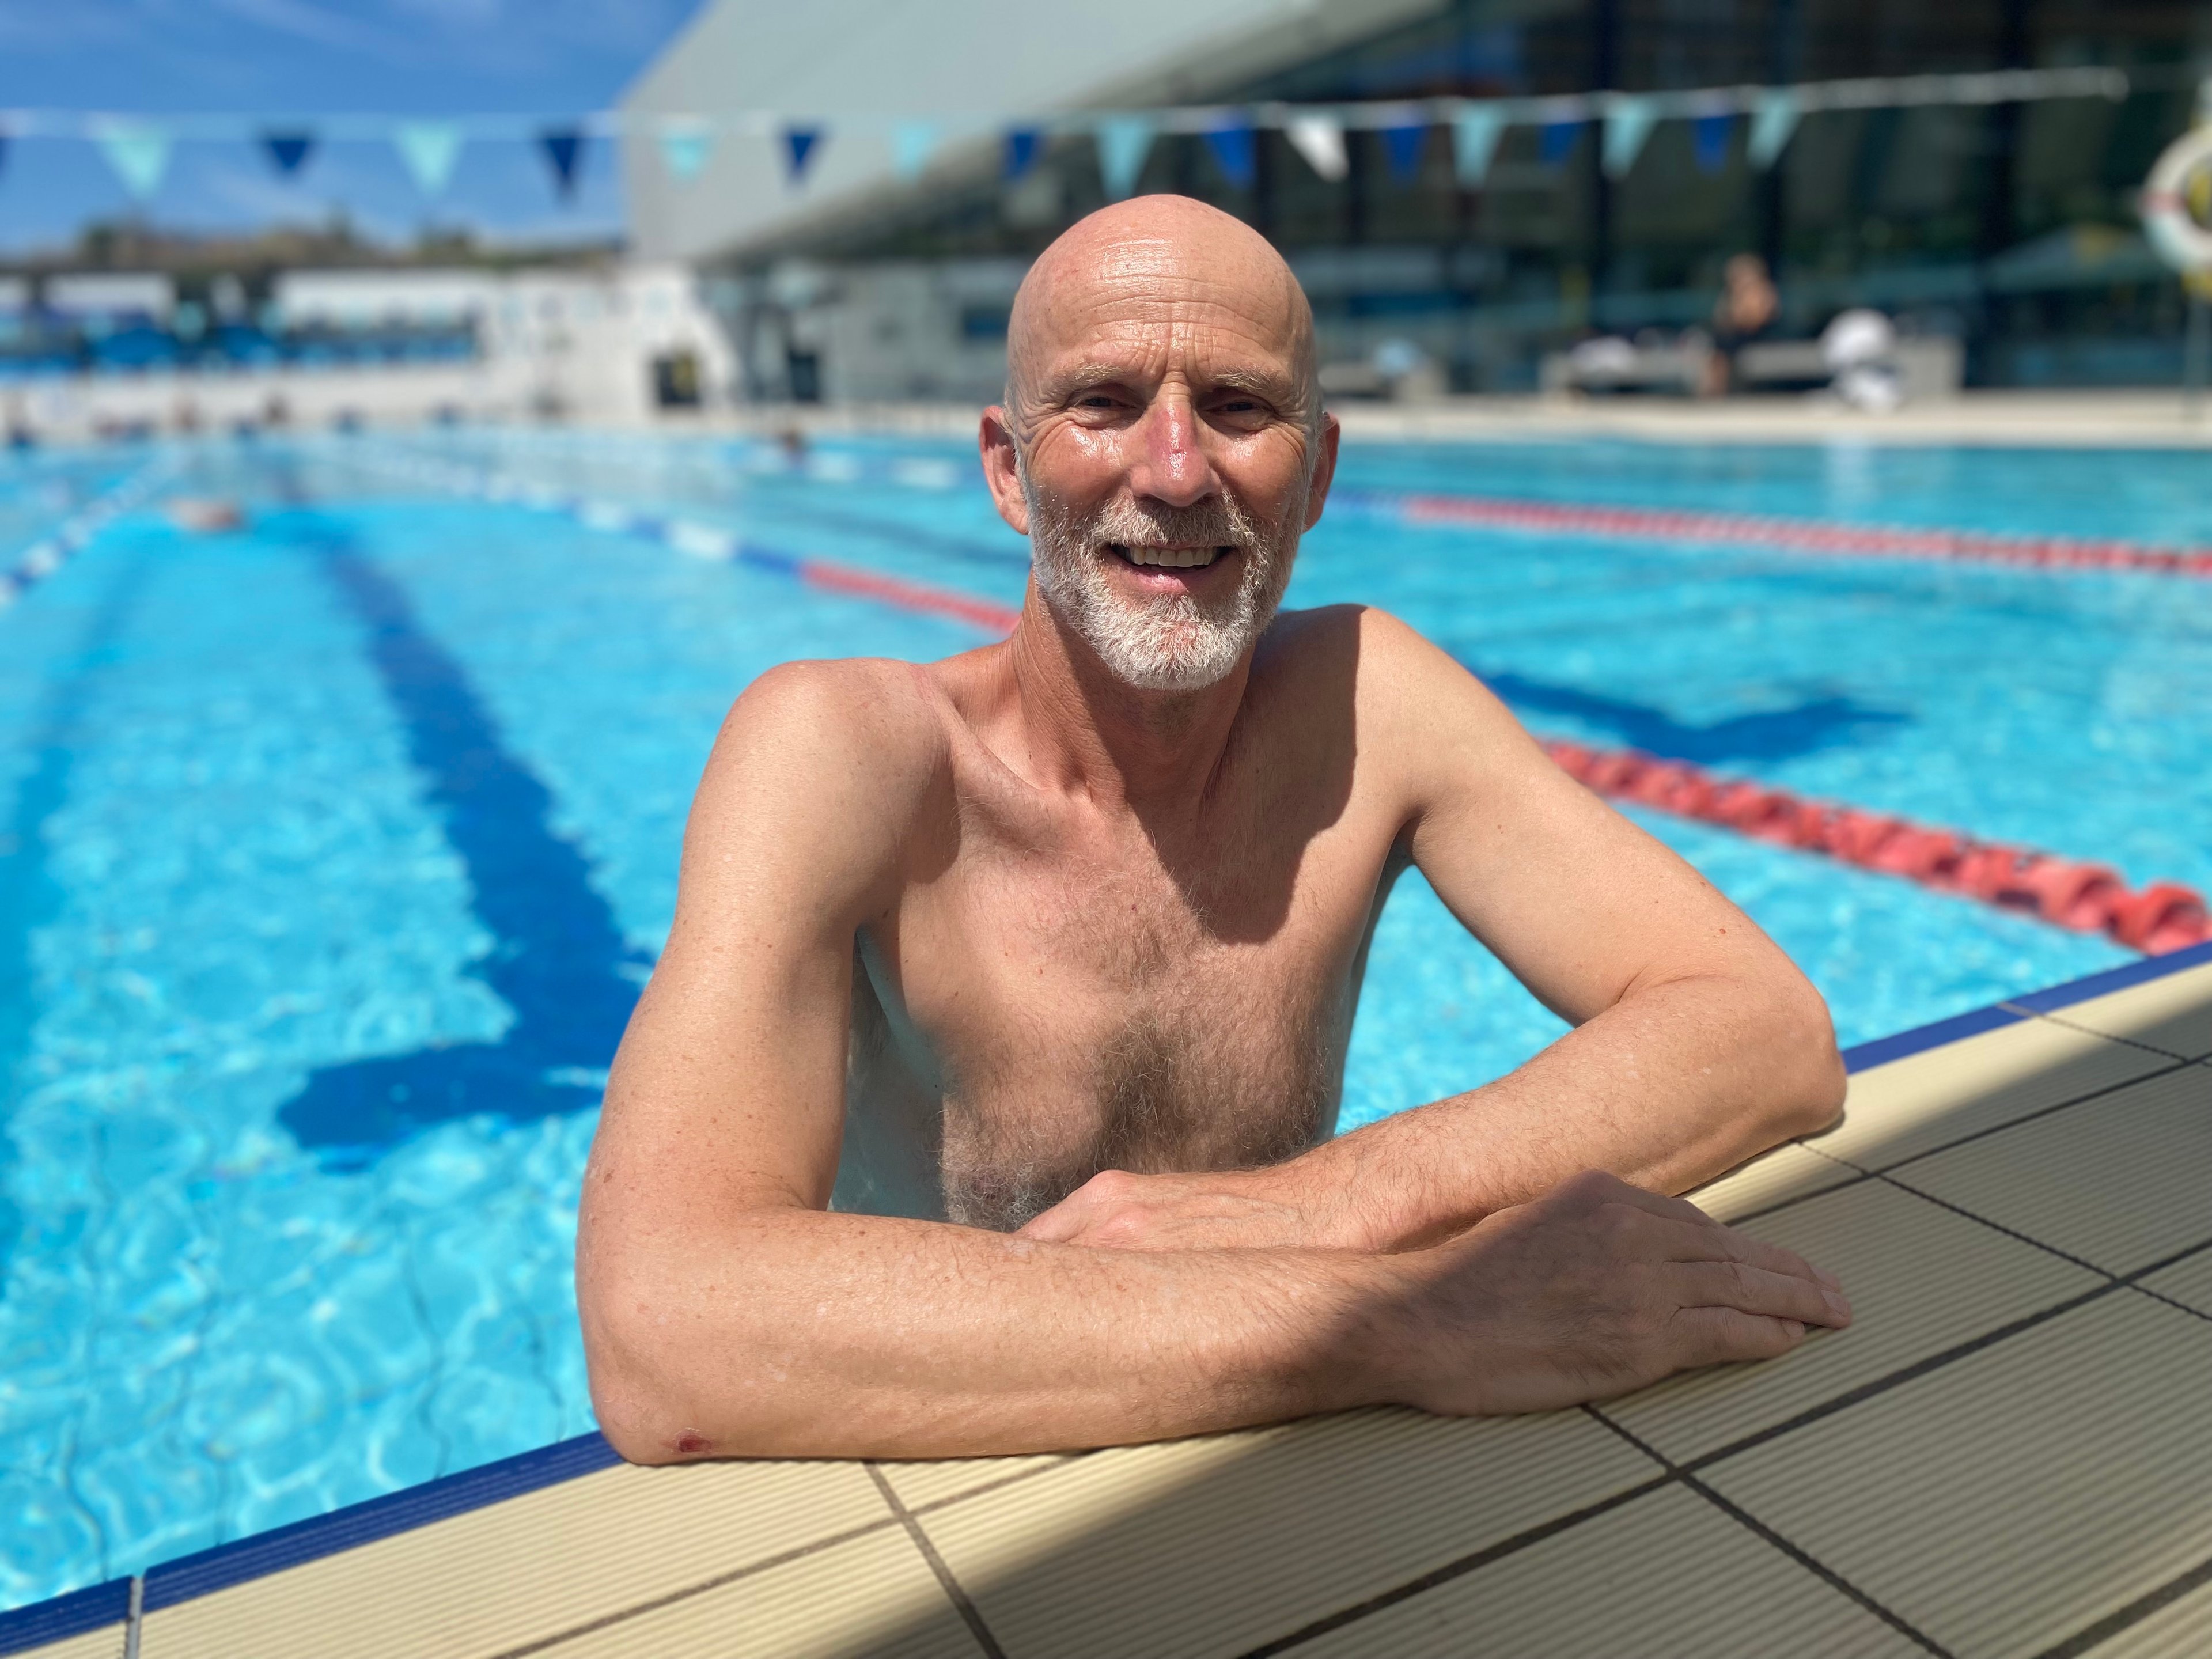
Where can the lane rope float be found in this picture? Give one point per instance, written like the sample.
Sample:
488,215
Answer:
1815,536
2068,893
2087,898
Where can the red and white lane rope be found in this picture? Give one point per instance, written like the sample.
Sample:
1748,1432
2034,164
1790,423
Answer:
1816,536
2066,892
2089,898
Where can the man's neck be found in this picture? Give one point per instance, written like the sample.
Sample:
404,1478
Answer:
1085,732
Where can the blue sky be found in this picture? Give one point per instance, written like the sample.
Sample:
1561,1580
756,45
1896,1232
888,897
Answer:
302,58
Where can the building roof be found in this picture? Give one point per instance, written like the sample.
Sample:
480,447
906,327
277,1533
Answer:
857,68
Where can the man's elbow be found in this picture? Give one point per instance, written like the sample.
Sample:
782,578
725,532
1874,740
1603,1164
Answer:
1803,1089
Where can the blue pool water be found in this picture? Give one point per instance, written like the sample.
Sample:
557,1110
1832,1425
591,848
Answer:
333,853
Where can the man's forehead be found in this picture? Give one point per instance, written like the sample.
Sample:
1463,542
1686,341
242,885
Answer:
1141,304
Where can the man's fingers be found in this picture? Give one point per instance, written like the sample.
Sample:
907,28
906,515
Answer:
1713,1336
1756,1291
1714,1242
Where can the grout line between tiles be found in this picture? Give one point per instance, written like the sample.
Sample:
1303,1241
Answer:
1904,1374
998,1484
134,1621
951,1587
2133,1614
2013,1233
2039,1112
624,1614
1451,1570
2090,1031
1751,1522
1852,1177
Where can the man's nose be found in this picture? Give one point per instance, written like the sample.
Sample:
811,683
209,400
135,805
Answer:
1169,464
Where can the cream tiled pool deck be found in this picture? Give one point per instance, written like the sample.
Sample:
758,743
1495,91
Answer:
2009,1453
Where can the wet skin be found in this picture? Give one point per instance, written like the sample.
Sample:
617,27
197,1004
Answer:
1045,980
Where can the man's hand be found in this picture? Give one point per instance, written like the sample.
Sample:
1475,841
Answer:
1593,1291
1273,1208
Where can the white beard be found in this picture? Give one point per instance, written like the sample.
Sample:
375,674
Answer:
1170,642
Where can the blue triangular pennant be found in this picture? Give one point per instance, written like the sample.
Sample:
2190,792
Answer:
1124,142
287,151
1402,147
1023,145
1235,150
429,148
564,154
799,144
1710,136
1555,140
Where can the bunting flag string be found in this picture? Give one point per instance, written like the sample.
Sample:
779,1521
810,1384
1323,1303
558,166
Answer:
1320,140
138,147
430,150
1124,143
288,151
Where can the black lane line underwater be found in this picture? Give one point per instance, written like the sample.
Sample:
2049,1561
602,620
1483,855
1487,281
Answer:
561,962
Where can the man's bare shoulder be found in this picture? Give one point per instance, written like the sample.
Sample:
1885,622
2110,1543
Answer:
1400,685
824,766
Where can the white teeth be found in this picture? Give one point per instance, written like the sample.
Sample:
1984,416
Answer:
1174,558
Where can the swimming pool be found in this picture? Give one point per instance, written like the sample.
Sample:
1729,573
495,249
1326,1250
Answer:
335,850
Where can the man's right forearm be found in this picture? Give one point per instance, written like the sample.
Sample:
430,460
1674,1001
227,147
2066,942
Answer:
794,1332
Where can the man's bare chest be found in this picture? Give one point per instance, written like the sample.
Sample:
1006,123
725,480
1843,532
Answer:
1071,1015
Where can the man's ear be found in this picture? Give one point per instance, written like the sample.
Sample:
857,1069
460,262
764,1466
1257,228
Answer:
1324,472
1002,468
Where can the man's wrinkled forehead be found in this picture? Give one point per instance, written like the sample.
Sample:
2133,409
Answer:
1145,305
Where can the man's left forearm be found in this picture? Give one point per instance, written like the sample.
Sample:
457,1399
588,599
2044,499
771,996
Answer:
1671,1086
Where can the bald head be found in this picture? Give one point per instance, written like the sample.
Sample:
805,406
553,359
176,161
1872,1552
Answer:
1177,280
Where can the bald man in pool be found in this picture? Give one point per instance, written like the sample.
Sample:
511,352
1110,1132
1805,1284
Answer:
983,1100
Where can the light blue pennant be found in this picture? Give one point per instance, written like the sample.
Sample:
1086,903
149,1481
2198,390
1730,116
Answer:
1775,119
684,148
1475,143
1124,143
1628,124
913,142
430,150
139,152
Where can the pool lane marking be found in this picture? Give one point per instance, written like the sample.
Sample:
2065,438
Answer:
2068,893
1817,536
76,532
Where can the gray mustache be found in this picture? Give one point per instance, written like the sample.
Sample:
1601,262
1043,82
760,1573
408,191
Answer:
1214,522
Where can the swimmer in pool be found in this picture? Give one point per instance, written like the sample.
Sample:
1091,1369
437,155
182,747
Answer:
983,1099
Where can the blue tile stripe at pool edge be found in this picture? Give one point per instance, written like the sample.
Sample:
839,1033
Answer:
302,1541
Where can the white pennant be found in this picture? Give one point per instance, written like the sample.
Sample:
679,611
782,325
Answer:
1772,126
430,149
1475,143
1319,139
138,153
1628,123
1124,142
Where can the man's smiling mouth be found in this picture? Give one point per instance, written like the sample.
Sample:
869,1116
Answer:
1171,558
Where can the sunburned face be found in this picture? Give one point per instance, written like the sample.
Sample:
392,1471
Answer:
1164,407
